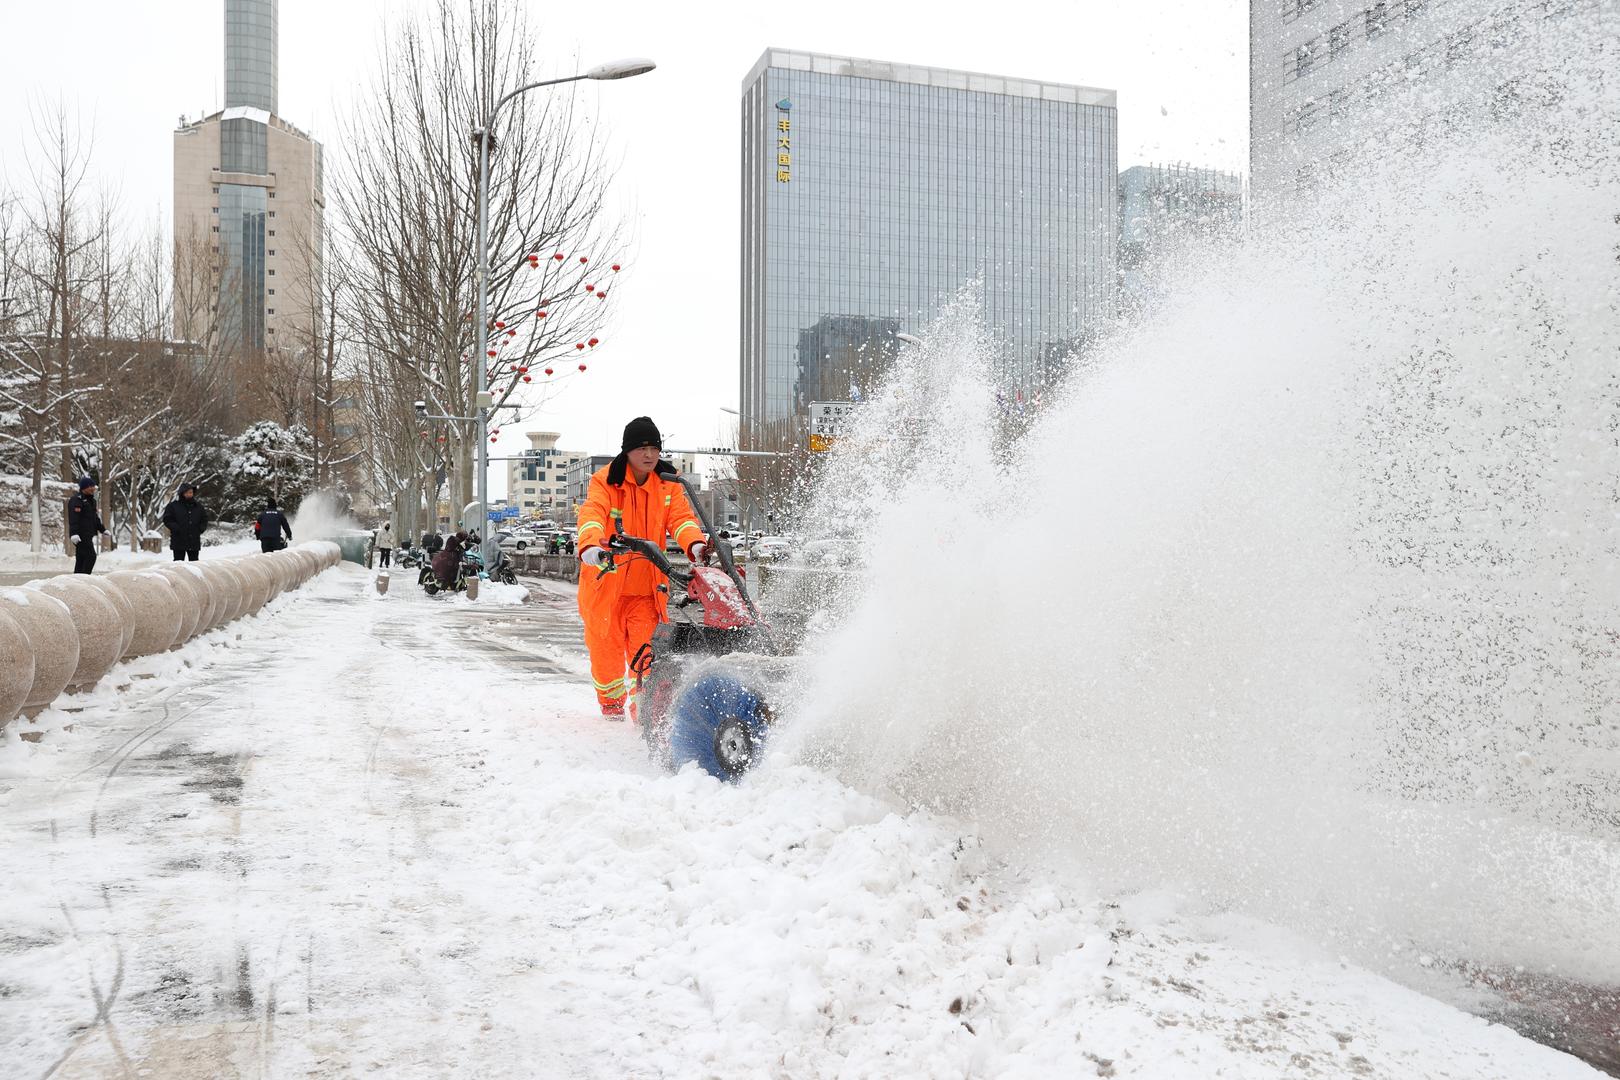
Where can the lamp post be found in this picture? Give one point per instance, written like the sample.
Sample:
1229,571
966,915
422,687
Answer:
618,69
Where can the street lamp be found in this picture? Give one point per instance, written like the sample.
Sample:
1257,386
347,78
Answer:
618,69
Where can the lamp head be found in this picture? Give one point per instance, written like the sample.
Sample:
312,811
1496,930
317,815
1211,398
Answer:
621,69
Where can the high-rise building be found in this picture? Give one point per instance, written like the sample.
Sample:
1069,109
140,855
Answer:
1331,81
1163,206
248,204
537,481
873,192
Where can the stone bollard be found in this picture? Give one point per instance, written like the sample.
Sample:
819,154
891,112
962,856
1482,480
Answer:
272,564
258,584
193,599
157,610
98,620
382,583
126,612
472,587
16,668
239,592
55,641
212,604
219,594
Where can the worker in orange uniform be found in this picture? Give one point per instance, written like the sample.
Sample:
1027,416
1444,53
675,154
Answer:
622,606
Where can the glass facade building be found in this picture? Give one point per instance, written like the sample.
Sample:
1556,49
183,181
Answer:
873,193
250,54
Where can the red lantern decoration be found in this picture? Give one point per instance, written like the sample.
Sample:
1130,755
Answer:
615,268
548,371
522,370
583,260
593,343
511,333
602,295
500,325
492,352
590,288
582,367
558,256
540,314
526,378
579,345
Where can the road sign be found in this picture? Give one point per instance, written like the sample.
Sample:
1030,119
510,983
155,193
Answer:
510,512
827,421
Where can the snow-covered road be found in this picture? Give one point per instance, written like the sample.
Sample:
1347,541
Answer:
386,835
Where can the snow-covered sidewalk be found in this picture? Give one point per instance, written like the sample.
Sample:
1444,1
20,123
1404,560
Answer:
361,834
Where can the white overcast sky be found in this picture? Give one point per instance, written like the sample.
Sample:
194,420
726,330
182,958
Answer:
130,68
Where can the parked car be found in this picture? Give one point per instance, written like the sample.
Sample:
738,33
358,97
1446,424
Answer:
770,547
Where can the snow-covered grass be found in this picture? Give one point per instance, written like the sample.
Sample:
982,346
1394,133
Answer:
336,839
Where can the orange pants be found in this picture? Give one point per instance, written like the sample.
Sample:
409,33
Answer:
613,641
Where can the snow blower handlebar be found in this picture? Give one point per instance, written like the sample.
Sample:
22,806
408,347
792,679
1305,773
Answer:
720,546
623,544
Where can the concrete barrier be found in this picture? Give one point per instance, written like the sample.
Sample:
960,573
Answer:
16,668
561,567
126,612
157,610
53,638
98,621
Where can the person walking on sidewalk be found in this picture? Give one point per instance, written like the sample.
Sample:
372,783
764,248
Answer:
186,519
620,603
274,532
383,541
84,526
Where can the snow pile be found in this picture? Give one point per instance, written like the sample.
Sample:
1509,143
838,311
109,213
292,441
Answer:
420,863
1302,599
498,592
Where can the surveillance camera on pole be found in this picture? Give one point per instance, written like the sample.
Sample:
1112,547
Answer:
421,408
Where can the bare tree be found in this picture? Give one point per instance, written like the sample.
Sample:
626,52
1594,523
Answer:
406,200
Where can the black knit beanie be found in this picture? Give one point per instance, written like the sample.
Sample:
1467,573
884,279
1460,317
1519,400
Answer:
641,432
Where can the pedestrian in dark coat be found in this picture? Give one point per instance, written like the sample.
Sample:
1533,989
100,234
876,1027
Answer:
185,519
84,526
447,562
273,526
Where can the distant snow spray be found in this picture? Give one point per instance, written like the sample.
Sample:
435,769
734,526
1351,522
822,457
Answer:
1302,598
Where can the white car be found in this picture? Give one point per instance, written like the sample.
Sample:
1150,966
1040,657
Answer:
770,547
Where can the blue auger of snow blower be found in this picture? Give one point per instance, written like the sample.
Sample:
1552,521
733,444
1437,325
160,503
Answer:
720,723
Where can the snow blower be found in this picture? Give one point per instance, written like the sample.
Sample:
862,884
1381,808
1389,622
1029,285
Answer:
706,685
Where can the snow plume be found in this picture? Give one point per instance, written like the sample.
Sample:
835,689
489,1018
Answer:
320,514
1303,598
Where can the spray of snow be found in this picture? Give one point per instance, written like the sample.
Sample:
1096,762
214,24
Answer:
1303,597
320,515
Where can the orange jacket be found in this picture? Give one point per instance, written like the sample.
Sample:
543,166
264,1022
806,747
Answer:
650,510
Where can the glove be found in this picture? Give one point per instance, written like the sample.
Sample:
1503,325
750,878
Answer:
593,556
74,538
699,552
